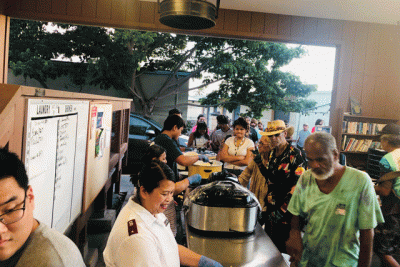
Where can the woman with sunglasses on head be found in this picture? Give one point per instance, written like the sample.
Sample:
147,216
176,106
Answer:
236,152
141,235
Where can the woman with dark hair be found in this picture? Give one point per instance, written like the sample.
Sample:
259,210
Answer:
317,123
236,152
156,152
200,137
141,235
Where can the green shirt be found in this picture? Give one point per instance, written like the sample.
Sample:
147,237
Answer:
389,163
331,235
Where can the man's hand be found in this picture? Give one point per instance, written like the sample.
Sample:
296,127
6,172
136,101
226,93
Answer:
294,247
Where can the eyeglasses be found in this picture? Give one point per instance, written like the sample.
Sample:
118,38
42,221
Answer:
14,215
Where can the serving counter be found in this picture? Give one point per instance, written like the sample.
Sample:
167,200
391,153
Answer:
251,250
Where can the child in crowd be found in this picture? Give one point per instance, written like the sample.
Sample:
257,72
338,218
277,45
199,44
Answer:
200,138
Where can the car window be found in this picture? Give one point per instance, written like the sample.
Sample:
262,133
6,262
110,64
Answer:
138,128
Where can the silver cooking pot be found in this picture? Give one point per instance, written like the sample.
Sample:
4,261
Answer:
222,206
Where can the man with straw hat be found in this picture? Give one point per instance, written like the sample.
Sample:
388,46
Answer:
284,167
387,235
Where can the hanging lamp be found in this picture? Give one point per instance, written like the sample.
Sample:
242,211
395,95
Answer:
188,14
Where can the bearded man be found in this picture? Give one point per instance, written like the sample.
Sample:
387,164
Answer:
340,207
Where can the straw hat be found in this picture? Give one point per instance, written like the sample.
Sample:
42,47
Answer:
274,127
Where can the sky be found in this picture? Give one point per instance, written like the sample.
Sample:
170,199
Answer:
315,67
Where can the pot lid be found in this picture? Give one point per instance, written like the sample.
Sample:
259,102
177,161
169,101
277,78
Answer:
212,163
223,194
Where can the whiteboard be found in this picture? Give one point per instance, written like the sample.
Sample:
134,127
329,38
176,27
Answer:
55,153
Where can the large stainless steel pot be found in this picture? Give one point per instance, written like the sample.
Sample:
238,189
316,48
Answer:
222,206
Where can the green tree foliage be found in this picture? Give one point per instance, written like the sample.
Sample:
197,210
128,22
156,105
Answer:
248,71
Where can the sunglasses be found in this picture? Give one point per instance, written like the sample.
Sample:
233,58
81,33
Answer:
276,135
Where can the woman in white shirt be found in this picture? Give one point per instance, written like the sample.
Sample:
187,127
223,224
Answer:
141,235
236,152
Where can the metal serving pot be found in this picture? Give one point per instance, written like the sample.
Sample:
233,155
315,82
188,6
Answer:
222,206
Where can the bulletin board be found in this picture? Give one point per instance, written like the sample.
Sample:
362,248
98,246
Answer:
55,151
98,151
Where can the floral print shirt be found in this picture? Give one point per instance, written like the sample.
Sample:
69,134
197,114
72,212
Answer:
283,172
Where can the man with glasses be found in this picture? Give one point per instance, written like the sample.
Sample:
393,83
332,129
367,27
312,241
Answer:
24,241
284,167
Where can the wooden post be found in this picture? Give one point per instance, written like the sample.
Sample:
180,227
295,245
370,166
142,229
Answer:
4,44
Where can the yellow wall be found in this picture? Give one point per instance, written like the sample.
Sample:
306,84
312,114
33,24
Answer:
368,55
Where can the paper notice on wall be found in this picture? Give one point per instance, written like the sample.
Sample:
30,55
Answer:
108,137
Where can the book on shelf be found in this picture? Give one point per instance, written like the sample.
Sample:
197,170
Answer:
344,142
354,145
357,148
358,145
351,140
358,127
366,145
344,127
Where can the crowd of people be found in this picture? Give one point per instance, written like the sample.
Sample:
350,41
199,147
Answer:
316,210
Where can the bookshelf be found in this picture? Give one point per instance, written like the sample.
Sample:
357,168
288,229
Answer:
359,134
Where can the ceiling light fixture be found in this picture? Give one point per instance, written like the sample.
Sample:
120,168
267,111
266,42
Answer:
188,14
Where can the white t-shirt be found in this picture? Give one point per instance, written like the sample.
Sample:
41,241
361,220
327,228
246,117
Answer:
149,242
237,151
199,142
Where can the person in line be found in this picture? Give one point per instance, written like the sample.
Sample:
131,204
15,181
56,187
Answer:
387,235
318,122
172,129
236,152
200,137
254,125
218,137
340,206
141,235
175,111
200,118
253,173
284,167
156,152
289,134
24,241
260,126
252,133
303,134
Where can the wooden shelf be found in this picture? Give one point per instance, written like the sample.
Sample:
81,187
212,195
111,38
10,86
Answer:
354,152
364,136
367,119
